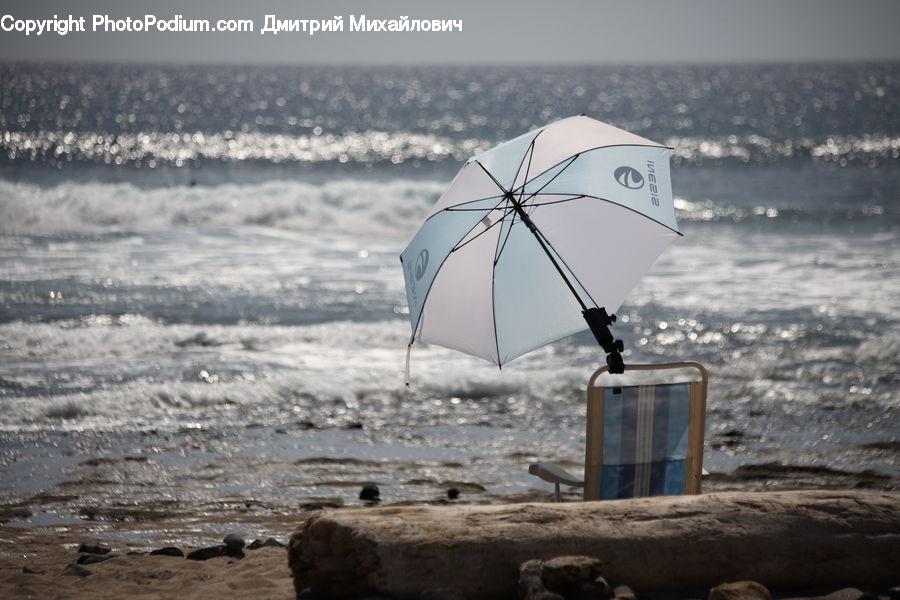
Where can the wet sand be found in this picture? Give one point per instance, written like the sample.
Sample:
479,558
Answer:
33,564
137,502
40,562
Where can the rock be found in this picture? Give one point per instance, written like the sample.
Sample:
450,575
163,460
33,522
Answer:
87,548
167,551
443,594
565,570
531,586
740,590
74,570
845,594
207,553
91,559
789,539
31,571
234,545
268,542
453,493
598,589
623,592
370,493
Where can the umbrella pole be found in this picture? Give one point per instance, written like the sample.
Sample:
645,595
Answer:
597,318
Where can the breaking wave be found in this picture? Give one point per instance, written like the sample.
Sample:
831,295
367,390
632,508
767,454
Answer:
392,209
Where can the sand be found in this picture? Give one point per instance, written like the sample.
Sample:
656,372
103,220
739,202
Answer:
32,565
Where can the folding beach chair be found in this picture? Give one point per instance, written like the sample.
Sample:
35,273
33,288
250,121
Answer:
642,440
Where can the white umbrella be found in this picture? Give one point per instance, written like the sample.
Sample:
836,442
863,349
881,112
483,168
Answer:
539,238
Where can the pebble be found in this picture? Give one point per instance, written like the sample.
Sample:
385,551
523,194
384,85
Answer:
91,559
167,551
87,548
598,589
531,586
844,594
442,594
570,569
74,570
740,590
234,545
370,493
207,553
268,542
453,493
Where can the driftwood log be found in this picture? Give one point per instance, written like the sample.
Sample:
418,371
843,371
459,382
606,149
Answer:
781,539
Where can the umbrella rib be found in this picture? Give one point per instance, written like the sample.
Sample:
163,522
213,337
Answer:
437,272
499,185
478,235
529,153
497,250
530,196
632,210
572,197
551,167
501,247
454,209
582,196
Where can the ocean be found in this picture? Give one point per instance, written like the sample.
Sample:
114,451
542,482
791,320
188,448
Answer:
202,310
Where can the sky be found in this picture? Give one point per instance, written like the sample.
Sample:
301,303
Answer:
494,31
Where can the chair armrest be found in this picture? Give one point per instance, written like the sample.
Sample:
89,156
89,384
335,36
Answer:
554,474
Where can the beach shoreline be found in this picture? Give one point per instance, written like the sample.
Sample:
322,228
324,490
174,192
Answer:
37,562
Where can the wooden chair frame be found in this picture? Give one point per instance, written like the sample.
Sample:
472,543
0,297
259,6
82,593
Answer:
593,460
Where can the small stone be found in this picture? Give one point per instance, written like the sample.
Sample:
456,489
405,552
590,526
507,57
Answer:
740,590
623,592
74,570
370,493
87,548
443,594
167,551
844,594
234,544
90,559
268,542
453,493
564,570
531,586
207,553
31,571
599,589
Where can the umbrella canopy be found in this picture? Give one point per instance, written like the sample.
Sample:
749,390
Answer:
534,232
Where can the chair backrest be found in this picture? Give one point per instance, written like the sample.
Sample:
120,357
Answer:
645,440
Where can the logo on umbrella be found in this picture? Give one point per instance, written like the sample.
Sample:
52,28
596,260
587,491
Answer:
421,264
629,177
